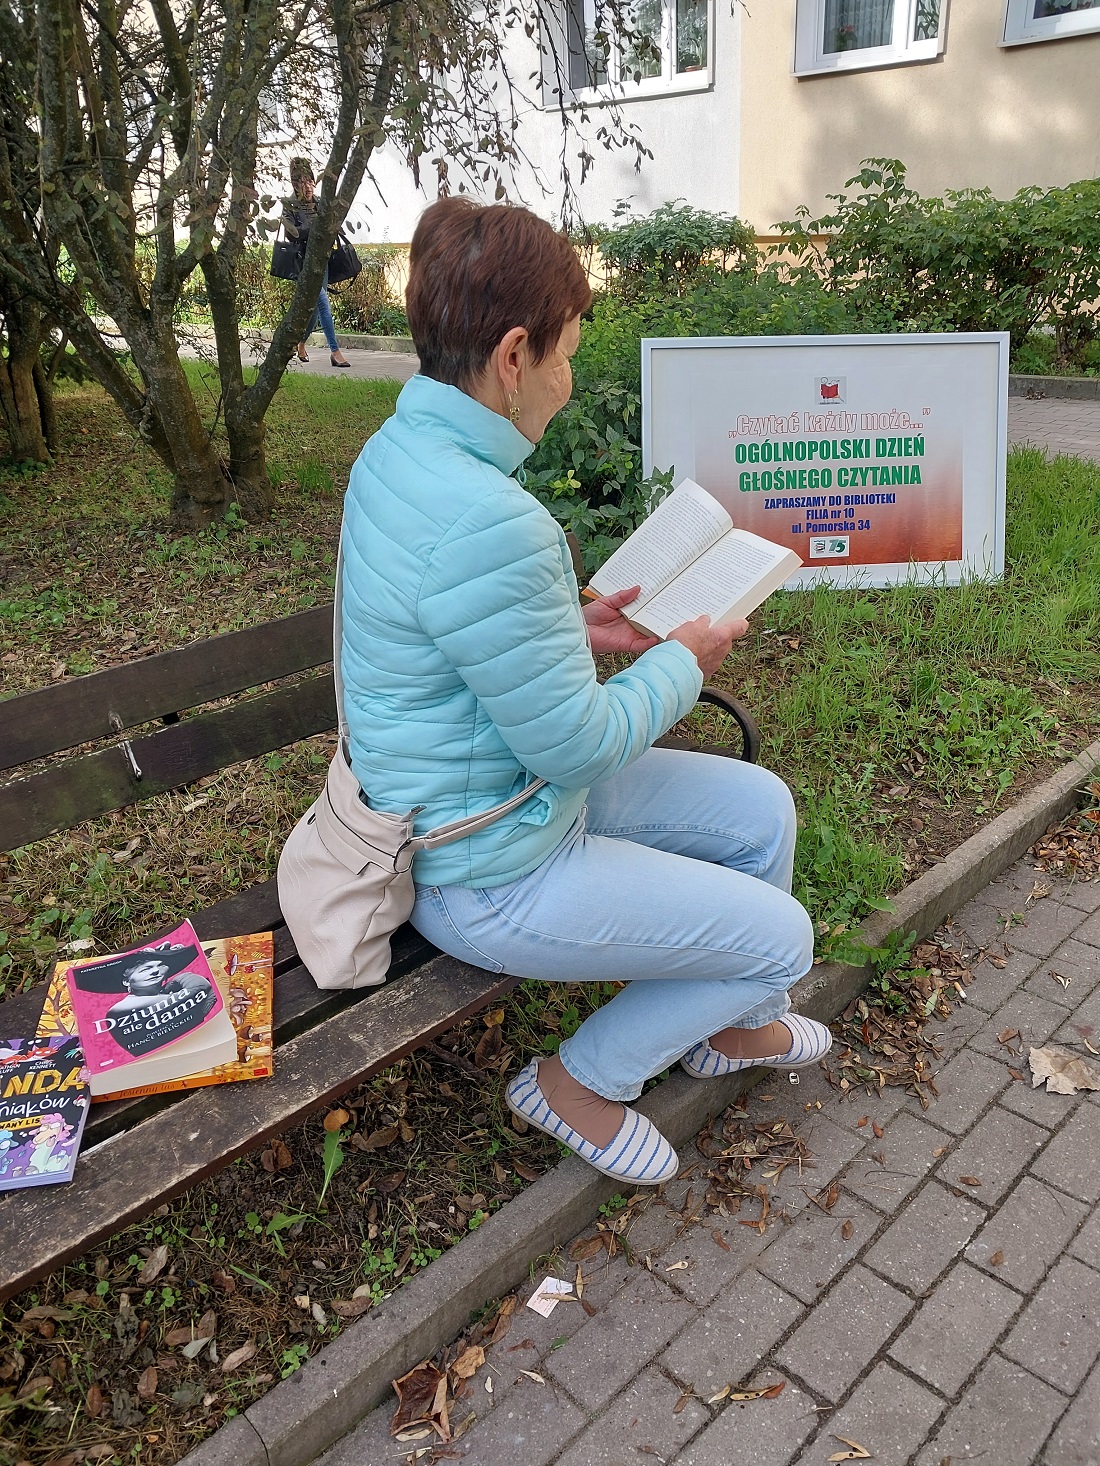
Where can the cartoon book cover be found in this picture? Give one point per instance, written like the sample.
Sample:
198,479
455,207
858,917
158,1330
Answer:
149,1014
43,1107
242,968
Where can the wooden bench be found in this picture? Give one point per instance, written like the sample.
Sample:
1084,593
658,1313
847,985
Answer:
156,725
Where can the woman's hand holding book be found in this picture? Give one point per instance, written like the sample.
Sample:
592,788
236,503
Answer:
709,644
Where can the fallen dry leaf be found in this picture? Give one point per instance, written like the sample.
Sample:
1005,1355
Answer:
1007,1036
856,1452
277,1157
533,1374
968,1181
336,1120
468,1362
719,1240
675,1267
685,1396
488,1047
585,1247
862,1121
504,1317
238,1357
94,1402
351,1307
997,1259
847,1229
1064,1071
770,1392
416,1393
877,1128
155,1264
147,1384
377,1139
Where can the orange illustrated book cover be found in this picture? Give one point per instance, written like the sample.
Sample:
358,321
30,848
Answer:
242,970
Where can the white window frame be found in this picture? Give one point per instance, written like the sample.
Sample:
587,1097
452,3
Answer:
621,87
1022,29
275,129
810,58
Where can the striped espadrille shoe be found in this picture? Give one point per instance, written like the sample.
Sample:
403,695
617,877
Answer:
639,1153
811,1041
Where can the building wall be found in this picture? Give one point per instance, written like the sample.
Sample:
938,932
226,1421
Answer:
693,137
981,115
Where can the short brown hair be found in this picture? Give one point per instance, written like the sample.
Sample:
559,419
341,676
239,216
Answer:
478,270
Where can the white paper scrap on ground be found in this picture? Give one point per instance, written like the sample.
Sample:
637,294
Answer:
548,1294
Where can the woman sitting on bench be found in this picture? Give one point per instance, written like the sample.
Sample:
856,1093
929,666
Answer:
468,670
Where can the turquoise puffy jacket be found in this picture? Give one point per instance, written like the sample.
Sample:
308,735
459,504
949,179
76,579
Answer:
465,657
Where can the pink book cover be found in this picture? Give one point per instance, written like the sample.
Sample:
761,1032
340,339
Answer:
134,1004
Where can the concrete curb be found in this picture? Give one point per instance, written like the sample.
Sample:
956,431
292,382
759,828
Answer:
1072,389
307,1413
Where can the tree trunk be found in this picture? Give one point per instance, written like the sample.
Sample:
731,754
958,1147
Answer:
25,403
244,421
202,490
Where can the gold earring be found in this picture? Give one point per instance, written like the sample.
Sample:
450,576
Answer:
513,408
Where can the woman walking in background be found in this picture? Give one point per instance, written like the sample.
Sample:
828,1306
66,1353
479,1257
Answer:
299,212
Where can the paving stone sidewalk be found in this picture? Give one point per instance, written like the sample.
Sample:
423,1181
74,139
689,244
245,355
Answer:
1056,425
926,1317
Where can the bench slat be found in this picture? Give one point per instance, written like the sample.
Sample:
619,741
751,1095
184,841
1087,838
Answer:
126,1176
62,797
70,713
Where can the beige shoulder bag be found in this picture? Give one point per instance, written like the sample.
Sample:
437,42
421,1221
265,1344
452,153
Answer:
345,874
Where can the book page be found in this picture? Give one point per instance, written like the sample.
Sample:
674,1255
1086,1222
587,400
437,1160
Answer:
676,533
729,580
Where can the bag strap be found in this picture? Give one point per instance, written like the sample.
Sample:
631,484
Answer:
443,834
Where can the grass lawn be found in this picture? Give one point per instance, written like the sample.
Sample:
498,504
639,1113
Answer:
902,719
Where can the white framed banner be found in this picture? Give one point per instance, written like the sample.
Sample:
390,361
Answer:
879,460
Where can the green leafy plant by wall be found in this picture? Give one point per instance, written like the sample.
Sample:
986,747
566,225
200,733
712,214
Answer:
588,467
963,262
671,250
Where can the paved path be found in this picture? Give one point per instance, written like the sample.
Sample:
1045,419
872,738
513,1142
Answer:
1056,425
928,1318
397,365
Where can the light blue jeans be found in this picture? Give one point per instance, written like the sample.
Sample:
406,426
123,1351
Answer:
676,880
323,311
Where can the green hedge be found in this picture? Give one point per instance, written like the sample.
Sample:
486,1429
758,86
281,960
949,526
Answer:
963,262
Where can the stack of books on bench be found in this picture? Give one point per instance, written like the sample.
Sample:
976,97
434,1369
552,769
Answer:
173,1014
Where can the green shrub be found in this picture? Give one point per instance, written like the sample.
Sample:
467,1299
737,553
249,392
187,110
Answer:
369,304
964,262
588,467
671,250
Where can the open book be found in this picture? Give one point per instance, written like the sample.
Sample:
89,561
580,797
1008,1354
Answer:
690,561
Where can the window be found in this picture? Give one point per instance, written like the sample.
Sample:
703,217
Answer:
850,35
633,47
274,123
1049,20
